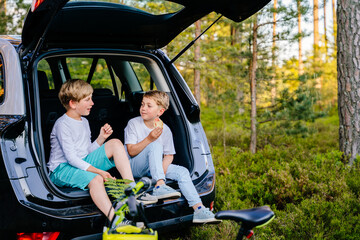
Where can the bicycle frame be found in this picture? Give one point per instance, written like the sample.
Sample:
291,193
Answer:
128,205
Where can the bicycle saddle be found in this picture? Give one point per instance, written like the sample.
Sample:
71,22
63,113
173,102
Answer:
249,217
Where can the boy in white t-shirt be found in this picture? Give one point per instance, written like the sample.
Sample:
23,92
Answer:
74,160
151,151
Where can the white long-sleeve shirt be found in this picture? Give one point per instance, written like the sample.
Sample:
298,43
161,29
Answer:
70,141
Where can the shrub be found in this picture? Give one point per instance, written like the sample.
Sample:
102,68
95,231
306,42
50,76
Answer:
305,180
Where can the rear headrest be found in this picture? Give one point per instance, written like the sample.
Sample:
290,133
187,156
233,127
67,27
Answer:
102,92
43,81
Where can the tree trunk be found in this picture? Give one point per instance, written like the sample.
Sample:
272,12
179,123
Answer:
3,18
240,85
224,129
273,81
196,60
252,71
316,28
334,22
316,43
348,62
233,34
301,64
326,40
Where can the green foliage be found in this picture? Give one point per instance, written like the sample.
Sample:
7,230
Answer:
12,14
305,180
353,179
116,188
293,109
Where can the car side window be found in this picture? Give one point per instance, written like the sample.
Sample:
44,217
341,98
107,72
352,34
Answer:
2,80
143,76
46,80
94,69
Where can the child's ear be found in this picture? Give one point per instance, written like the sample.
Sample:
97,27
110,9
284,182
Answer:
72,104
162,110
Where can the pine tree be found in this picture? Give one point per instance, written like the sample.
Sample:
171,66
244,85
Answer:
348,77
334,22
252,77
273,62
197,92
325,30
299,13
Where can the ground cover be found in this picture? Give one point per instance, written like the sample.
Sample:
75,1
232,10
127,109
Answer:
314,193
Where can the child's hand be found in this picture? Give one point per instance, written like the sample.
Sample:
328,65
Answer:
105,175
106,131
155,134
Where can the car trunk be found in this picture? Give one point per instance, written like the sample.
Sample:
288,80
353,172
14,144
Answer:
59,24
115,104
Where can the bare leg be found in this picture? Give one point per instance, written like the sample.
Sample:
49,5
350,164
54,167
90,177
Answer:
197,205
160,182
115,149
100,197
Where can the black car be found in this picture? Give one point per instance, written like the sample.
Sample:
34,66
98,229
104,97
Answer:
116,48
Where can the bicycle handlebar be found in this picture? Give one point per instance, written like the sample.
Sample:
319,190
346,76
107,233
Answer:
144,182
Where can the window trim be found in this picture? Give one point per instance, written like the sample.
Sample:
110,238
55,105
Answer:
2,98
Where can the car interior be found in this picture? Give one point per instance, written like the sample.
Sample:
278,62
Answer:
118,84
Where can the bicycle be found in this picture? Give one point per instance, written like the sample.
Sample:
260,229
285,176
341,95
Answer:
127,206
248,219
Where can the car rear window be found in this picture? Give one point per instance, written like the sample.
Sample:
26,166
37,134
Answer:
154,7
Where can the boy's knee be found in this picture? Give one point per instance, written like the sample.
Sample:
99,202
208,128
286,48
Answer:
97,180
183,171
112,145
178,172
114,142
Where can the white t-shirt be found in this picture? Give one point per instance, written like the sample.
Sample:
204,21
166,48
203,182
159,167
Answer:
136,131
70,141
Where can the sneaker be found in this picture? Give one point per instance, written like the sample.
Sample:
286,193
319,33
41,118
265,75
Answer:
204,215
146,198
164,191
127,222
124,222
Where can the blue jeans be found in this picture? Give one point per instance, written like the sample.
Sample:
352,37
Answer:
149,163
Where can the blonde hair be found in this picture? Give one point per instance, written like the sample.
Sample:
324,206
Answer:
160,97
74,89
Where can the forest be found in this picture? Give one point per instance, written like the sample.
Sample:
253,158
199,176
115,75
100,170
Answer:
268,93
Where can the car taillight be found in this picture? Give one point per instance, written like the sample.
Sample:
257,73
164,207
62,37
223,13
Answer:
38,236
35,4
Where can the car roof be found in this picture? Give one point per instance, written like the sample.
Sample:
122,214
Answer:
59,23
13,39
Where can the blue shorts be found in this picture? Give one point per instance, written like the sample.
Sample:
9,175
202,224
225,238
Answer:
66,175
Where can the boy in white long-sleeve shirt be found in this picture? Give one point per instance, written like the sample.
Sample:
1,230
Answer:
74,160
